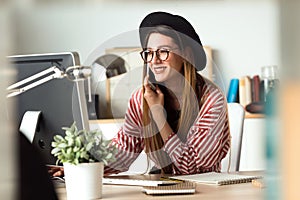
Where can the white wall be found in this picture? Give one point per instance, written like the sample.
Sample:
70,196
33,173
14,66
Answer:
244,34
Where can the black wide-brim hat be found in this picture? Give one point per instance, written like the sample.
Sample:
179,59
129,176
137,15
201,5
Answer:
180,25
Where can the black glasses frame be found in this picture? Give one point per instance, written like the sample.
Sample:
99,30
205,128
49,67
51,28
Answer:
157,53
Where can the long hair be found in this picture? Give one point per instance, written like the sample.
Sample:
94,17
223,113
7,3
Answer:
189,109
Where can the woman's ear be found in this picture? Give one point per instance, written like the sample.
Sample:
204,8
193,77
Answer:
189,54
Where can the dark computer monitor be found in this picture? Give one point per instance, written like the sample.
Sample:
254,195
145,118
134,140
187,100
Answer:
60,101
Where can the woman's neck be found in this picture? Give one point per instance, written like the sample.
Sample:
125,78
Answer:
176,86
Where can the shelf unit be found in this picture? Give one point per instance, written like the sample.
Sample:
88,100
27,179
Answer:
253,143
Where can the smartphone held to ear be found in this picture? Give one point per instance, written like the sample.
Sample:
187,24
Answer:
152,86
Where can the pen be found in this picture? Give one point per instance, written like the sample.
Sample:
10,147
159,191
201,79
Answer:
170,179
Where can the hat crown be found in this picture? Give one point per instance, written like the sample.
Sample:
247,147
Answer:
178,23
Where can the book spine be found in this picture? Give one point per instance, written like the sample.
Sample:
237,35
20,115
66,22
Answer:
232,95
242,92
245,90
248,90
255,89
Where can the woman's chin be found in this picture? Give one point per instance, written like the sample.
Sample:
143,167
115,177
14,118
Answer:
160,78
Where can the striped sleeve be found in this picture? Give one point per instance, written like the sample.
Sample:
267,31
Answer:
128,140
208,140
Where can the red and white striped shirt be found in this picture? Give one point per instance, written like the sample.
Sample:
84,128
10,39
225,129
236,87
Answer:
208,139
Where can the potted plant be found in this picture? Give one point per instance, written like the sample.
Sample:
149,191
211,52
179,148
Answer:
83,154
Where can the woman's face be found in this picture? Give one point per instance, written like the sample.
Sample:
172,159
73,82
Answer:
172,66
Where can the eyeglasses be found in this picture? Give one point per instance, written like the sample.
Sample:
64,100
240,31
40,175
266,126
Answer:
162,54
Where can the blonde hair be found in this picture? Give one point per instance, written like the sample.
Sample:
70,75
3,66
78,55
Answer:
189,111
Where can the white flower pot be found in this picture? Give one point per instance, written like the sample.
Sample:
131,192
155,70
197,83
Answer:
84,181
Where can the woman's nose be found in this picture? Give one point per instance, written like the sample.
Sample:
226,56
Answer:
156,59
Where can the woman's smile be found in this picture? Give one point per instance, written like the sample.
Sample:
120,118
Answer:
159,69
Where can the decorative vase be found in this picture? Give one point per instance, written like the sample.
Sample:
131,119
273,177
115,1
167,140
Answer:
84,181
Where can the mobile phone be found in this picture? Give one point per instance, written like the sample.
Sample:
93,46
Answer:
152,86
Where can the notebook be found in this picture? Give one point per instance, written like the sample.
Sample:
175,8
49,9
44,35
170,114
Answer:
137,180
217,178
180,188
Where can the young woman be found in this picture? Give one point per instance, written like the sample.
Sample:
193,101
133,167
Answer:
178,118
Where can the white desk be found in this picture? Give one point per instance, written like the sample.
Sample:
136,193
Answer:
244,191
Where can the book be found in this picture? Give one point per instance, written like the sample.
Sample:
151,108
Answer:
255,87
232,95
248,90
214,178
180,188
245,90
242,92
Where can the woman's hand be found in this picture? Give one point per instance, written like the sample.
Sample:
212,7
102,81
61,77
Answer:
155,100
55,170
152,97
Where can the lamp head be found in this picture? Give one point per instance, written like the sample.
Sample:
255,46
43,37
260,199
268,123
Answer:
114,65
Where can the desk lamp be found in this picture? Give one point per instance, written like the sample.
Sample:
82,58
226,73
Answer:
114,64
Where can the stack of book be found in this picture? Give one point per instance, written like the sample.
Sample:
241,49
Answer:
248,91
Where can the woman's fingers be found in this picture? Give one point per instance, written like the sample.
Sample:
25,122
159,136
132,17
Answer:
56,170
58,173
152,96
146,83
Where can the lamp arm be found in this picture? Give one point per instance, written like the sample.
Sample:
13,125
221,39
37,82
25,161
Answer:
73,73
14,90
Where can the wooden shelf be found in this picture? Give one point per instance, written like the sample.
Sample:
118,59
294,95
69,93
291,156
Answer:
106,121
253,115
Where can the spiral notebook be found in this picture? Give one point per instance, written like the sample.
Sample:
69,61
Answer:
215,178
179,188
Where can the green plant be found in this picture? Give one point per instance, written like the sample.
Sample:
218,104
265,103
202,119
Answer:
80,146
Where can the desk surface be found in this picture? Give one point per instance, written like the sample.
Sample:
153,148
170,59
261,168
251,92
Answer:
244,191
